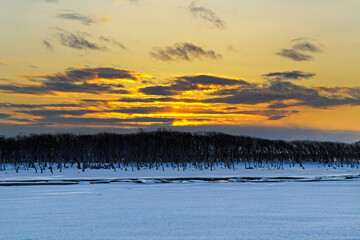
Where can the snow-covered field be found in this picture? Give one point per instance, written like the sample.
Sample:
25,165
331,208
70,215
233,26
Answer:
294,203
311,172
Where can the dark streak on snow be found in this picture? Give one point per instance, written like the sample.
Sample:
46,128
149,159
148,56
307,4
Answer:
181,180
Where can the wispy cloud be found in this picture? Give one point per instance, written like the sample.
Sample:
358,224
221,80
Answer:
84,19
301,50
78,40
207,15
74,16
294,55
48,45
183,51
305,45
112,41
81,41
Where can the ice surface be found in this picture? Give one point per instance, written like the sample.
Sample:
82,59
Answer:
192,209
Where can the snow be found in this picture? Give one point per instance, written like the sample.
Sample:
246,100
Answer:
191,209
312,171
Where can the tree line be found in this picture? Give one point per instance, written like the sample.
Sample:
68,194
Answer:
165,148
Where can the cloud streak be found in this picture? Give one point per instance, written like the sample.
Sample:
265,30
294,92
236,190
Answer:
78,40
190,83
104,121
84,19
48,45
302,50
183,51
207,15
280,91
81,41
74,16
112,41
289,75
75,80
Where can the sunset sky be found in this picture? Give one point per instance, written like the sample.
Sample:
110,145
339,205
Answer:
266,68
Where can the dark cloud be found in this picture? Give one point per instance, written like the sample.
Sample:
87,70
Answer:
74,16
24,89
278,117
48,45
326,102
93,88
250,97
153,100
82,112
294,55
225,92
161,90
187,83
79,74
102,121
278,105
183,51
301,50
21,120
353,92
212,80
33,106
51,1
307,46
4,115
290,75
53,112
51,88
141,110
207,15
78,40
275,92
266,112
75,80
271,114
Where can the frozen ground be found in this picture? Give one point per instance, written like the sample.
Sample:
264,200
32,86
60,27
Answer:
311,172
294,203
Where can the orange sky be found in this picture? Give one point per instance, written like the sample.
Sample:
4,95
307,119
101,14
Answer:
286,69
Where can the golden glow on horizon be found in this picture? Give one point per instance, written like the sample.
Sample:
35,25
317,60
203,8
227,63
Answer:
155,91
